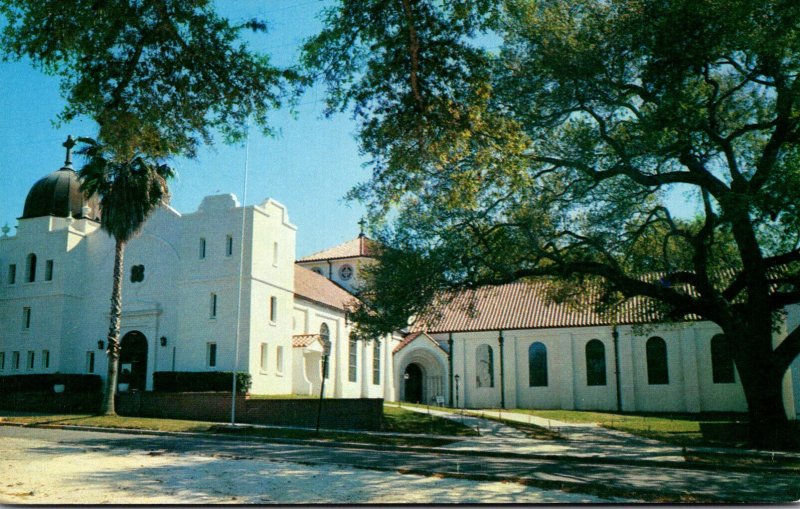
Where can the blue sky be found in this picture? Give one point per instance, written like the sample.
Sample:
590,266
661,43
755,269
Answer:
308,166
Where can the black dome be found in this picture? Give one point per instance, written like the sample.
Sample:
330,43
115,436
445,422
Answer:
59,194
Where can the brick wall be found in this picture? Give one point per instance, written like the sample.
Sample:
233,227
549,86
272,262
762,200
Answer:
216,407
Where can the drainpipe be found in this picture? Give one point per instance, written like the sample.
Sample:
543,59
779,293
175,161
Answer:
615,335
330,270
502,373
450,363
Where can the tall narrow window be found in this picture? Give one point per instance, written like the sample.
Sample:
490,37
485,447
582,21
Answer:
352,371
376,362
228,245
537,365
275,254
211,355
657,370
325,336
484,366
202,249
26,318
279,359
45,359
273,309
90,362
595,363
12,274
48,270
722,370
30,268
15,360
2,361
31,360
212,306
264,358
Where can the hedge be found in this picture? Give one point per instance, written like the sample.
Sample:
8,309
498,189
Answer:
45,382
200,381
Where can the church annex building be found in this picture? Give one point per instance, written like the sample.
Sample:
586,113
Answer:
201,296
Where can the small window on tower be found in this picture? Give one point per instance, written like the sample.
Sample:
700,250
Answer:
211,355
90,362
345,272
212,312
48,270
137,273
273,309
26,318
202,252
275,254
12,273
31,360
228,246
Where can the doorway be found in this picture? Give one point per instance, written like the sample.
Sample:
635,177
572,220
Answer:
133,360
413,384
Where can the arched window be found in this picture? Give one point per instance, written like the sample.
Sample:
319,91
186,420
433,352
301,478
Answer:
722,370
325,335
484,366
376,362
595,363
537,365
30,268
657,370
352,373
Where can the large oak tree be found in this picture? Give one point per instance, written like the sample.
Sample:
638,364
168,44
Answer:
552,138
159,77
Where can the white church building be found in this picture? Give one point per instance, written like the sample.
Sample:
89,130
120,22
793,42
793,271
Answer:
219,289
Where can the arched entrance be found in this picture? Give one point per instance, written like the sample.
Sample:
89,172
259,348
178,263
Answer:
413,384
133,360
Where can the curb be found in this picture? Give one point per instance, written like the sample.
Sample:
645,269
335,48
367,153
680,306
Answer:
589,460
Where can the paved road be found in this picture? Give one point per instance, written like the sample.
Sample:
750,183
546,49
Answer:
638,481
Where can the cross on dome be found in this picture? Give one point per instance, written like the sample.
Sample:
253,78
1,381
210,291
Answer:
68,145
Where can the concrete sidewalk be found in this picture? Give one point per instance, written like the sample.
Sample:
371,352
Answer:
580,440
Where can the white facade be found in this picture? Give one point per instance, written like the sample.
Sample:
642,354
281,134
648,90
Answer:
217,294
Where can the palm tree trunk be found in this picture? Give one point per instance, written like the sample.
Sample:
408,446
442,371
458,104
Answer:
113,331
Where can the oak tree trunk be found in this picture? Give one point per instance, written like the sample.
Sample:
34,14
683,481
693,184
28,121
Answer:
769,428
113,349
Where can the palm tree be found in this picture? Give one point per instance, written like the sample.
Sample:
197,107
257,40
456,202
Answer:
130,188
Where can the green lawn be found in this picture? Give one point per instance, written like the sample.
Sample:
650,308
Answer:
399,420
394,420
709,429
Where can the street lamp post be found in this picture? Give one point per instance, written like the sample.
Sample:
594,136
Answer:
326,350
457,378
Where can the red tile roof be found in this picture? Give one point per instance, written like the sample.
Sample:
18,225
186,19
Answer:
359,246
304,340
319,289
525,305
410,339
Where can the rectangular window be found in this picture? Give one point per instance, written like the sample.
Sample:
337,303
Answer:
12,273
264,357
45,359
376,362
90,362
48,270
15,360
2,361
31,360
273,309
212,311
275,254
26,318
352,372
202,253
211,355
279,359
228,245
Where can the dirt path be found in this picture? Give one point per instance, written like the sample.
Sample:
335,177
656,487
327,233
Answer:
36,471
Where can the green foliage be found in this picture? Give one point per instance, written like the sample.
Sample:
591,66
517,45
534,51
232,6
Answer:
129,190
553,157
200,381
45,382
158,76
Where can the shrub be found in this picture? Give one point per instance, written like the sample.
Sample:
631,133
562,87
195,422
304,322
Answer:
44,383
200,381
